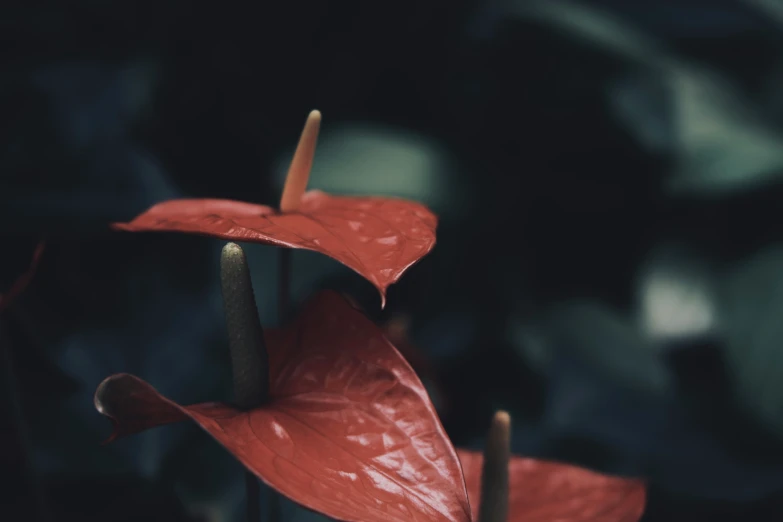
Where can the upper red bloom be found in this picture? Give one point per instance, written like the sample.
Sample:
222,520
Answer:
379,238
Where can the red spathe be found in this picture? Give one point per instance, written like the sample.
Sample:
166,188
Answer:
380,238
349,432
544,491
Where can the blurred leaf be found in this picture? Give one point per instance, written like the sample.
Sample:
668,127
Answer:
719,140
92,101
724,143
752,310
676,299
596,26
655,437
72,164
608,342
530,342
771,8
687,18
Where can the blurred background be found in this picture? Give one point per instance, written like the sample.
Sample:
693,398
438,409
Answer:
609,265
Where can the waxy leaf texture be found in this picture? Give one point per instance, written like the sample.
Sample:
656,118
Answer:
349,431
379,238
543,491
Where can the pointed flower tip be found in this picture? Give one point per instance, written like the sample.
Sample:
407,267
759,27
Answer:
502,419
301,164
500,430
111,438
97,398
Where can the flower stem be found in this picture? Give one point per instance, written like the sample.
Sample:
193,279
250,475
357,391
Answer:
494,475
283,285
294,188
283,304
249,359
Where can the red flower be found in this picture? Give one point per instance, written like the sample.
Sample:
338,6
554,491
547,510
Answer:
543,491
380,238
350,432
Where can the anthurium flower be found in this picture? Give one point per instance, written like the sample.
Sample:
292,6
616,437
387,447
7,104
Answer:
379,238
543,491
349,431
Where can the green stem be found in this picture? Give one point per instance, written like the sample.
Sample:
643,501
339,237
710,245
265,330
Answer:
274,513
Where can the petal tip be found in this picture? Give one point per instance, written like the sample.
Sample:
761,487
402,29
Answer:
100,392
125,227
100,406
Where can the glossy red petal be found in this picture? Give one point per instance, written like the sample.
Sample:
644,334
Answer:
379,238
543,491
350,431
23,280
